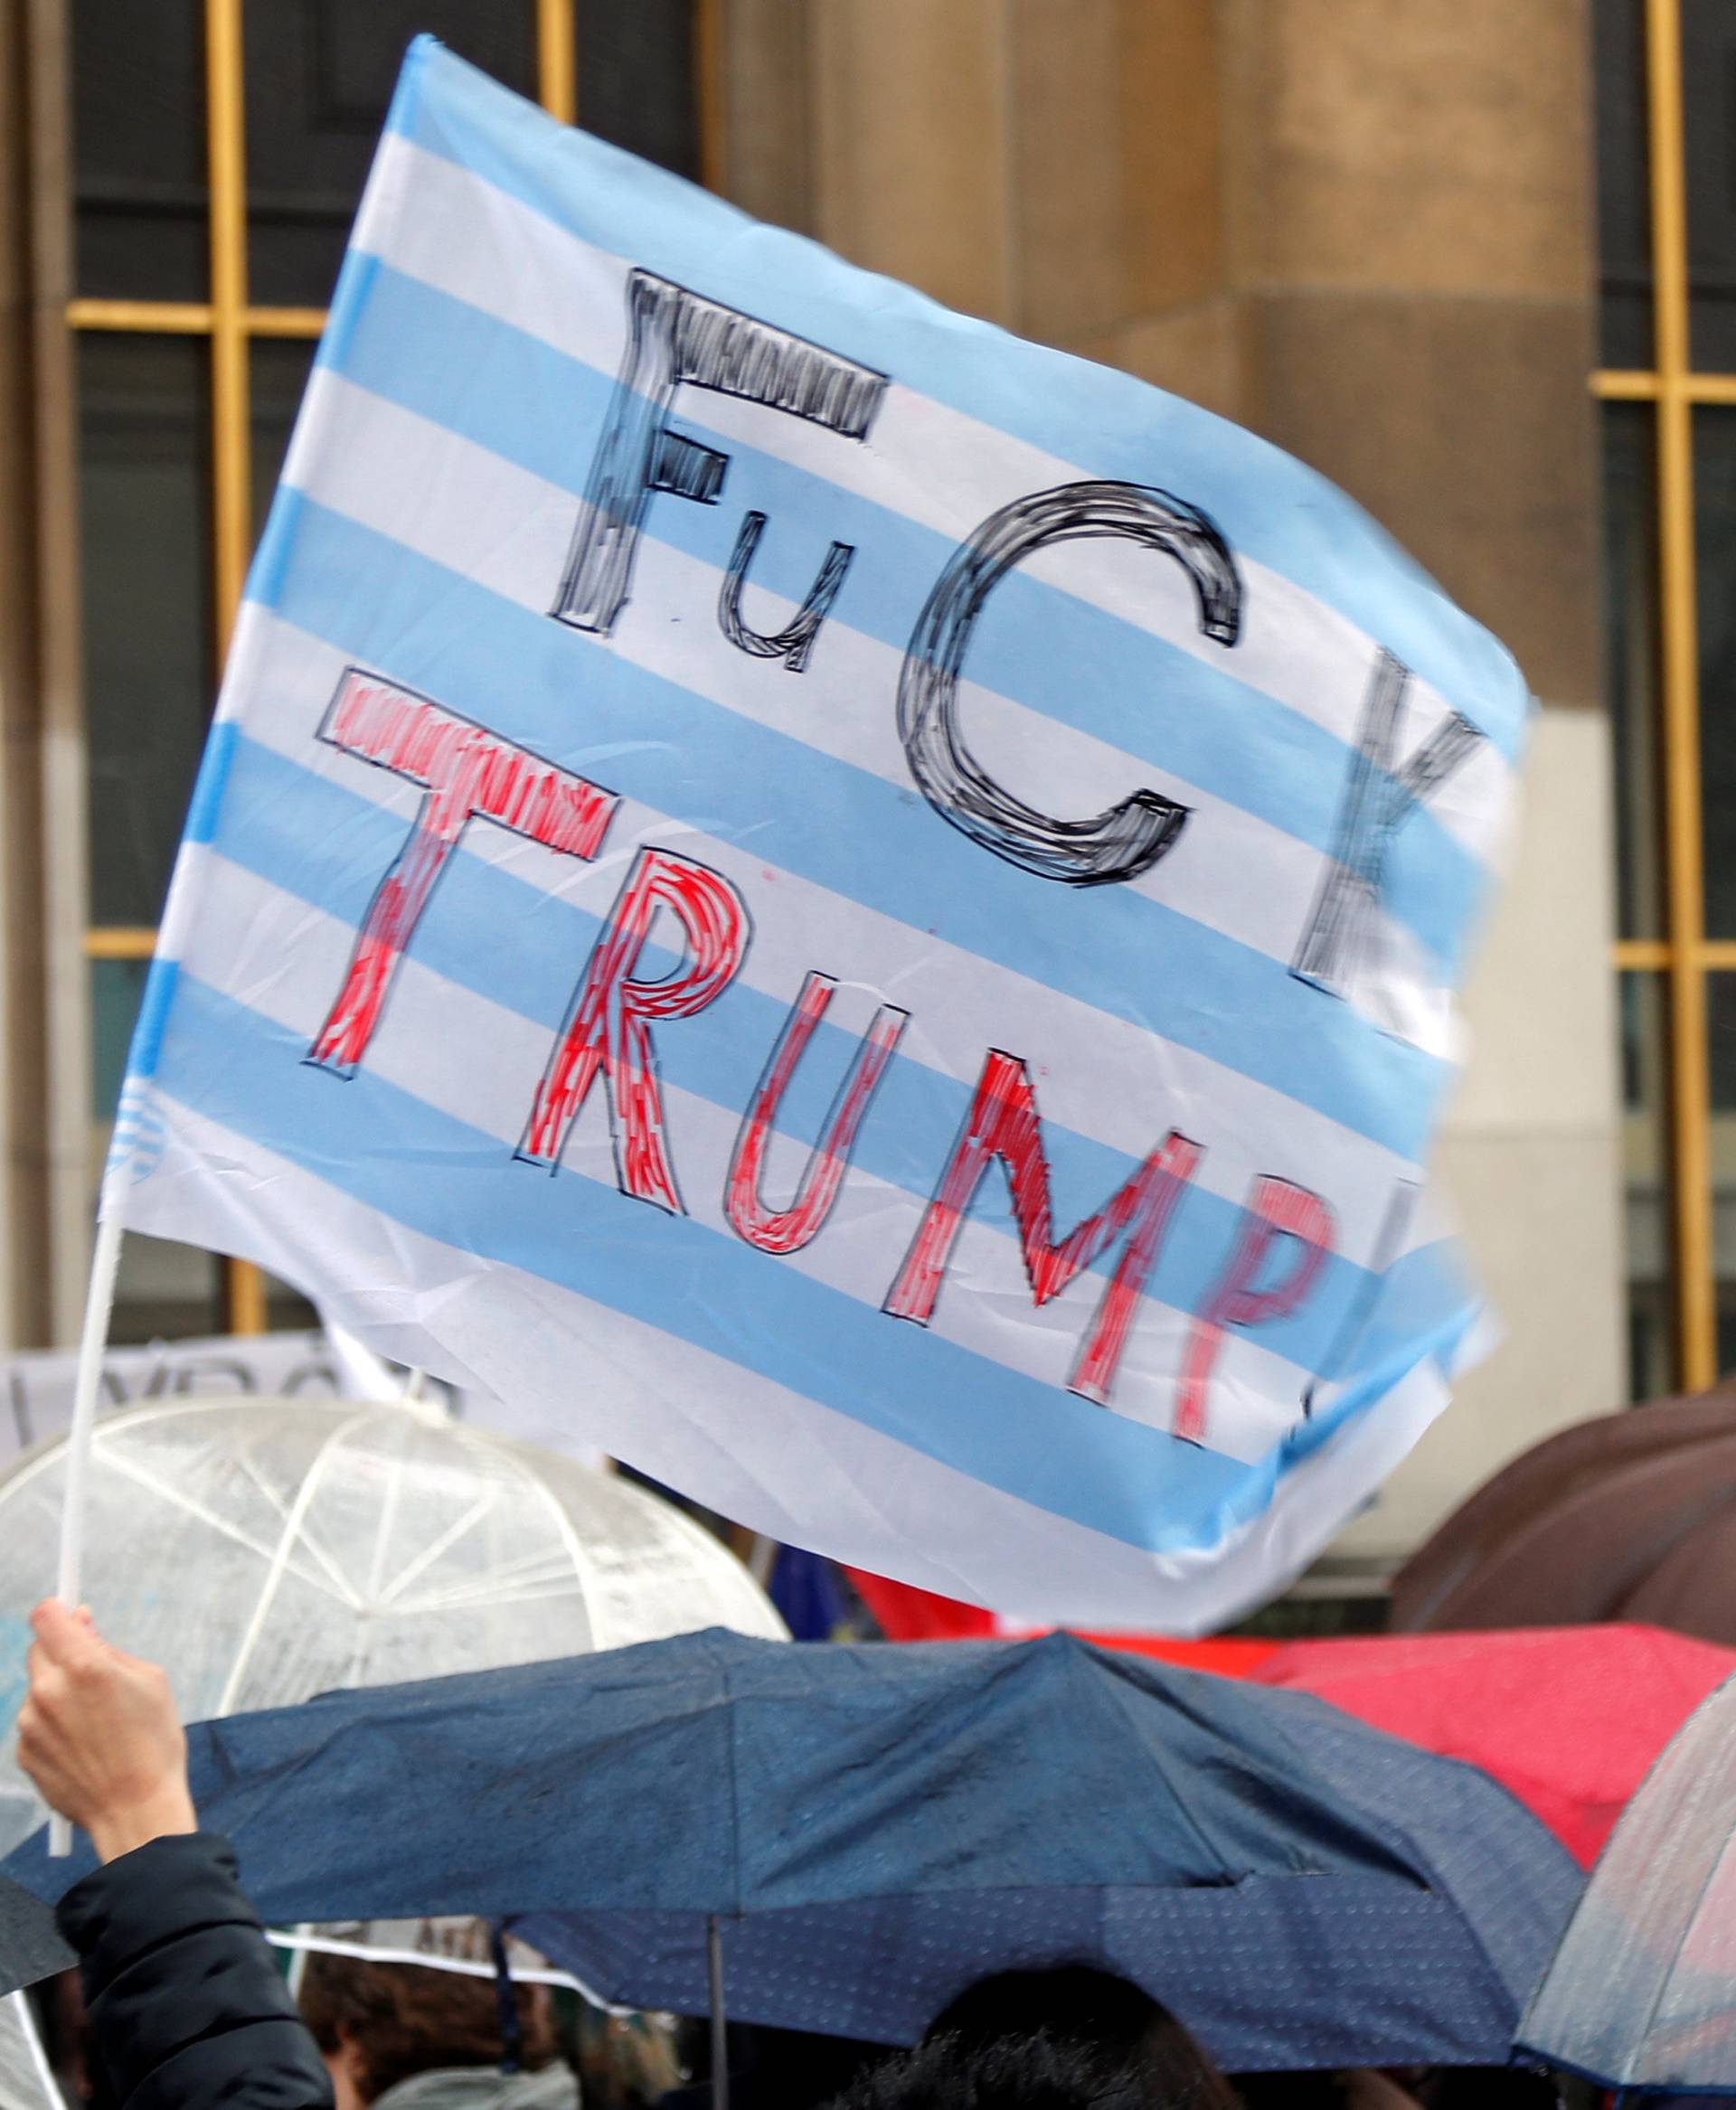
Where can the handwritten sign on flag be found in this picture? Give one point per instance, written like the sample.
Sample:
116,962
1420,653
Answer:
857,911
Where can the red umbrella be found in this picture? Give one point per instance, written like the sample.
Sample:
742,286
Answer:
904,1613
1569,1719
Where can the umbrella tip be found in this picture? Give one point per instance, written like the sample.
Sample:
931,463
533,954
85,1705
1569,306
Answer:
427,1404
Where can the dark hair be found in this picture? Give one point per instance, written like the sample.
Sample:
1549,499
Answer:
1501,2088
1339,2088
1112,2019
405,2019
1028,2072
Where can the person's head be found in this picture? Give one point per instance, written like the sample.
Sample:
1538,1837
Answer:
1107,2016
378,2024
1011,2073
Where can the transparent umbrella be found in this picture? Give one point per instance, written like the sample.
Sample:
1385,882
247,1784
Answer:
264,1551
1641,1995
29,1948
26,2081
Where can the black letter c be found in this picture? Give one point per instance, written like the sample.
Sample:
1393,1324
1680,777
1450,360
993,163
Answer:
1129,838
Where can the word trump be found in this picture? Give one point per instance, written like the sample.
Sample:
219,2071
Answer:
467,774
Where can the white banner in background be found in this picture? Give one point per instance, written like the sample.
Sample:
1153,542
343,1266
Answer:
36,1388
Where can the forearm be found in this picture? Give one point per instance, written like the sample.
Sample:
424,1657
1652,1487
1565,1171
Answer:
162,1815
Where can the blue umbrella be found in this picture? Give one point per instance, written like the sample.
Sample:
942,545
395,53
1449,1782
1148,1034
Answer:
865,1831
30,1947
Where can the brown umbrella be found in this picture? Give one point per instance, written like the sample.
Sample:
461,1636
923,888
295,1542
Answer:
1624,1517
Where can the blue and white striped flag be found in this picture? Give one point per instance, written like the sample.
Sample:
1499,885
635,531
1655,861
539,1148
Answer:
857,911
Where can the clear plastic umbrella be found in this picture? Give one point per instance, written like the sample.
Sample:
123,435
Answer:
26,2081
1641,1996
265,1550
268,1549
29,1947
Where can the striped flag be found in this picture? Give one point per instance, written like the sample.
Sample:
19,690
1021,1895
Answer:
859,912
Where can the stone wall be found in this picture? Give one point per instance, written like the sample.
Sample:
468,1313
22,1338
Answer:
1365,231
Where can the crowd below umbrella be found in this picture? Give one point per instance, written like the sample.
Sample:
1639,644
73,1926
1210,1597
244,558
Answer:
715,1868
948,1855
185,2004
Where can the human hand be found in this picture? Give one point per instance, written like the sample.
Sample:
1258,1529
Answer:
99,1735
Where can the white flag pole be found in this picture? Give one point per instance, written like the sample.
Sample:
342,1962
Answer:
99,1304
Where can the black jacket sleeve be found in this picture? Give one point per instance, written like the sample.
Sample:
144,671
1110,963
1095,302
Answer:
187,2008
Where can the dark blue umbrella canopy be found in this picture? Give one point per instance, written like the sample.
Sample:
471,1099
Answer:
30,1947
877,1827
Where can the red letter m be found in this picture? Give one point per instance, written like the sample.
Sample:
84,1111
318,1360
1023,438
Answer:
1002,1123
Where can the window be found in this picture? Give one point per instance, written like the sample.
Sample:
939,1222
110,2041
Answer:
220,146
1666,110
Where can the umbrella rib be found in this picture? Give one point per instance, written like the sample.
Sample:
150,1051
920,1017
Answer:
495,1587
383,1524
340,1583
384,1521
441,1546
491,1589
534,1566
280,1558
527,1590
544,1494
180,1499
1156,1760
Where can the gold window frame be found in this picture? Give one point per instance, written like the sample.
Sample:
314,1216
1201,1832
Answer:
231,323
1684,957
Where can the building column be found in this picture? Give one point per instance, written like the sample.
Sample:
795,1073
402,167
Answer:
1411,225
911,111
44,1057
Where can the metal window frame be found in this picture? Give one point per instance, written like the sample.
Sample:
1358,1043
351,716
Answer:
1683,956
230,321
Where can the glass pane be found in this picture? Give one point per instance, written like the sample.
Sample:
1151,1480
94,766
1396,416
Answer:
1644,1096
636,77
116,989
139,114
319,77
279,374
286,1310
164,1290
1714,504
144,420
1624,214
1709,117
1630,635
